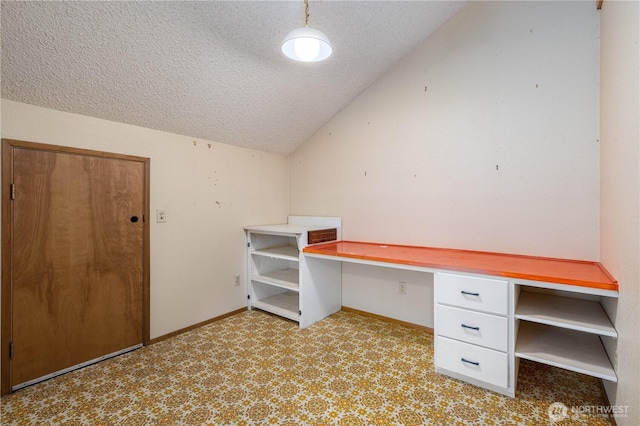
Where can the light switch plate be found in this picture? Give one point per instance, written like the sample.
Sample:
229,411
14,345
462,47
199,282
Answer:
161,215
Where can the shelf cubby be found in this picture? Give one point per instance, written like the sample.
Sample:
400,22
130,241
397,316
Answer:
565,348
285,278
282,252
565,312
282,304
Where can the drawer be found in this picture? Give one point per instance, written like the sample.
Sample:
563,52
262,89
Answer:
486,330
481,294
473,361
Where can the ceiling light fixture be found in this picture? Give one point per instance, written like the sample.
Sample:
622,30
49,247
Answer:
306,44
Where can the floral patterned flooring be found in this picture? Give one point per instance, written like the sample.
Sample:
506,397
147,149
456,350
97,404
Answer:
254,368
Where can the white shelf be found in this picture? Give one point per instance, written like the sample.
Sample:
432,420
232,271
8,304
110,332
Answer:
564,348
280,229
575,314
283,304
298,225
285,278
277,276
282,252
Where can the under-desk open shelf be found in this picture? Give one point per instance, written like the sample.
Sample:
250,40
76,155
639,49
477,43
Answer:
564,348
282,252
283,304
575,314
284,278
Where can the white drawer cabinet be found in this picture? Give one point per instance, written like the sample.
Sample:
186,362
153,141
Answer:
472,330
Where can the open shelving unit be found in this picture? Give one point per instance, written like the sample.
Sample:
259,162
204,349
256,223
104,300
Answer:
277,281
564,332
274,271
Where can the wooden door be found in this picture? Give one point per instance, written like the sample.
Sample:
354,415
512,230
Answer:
77,259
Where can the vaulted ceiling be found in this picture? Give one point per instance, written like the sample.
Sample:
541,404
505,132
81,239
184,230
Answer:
207,69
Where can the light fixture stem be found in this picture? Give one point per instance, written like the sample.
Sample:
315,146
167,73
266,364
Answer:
306,13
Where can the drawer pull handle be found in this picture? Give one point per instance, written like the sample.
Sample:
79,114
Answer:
470,327
470,362
468,293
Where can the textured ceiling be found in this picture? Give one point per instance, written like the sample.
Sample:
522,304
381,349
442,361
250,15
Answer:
211,69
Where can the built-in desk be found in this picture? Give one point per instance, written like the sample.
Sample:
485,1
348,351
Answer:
491,309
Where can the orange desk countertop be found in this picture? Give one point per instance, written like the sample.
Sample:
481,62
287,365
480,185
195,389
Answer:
561,271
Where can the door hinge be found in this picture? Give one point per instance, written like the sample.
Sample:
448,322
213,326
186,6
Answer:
13,191
11,350
248,296
300,313
248,244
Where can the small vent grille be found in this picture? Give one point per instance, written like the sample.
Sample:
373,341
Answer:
323,235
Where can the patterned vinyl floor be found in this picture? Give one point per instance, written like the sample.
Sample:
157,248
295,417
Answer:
257,369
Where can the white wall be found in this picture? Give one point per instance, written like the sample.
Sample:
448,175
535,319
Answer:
508,84
376,289
620,192
209,193
485,137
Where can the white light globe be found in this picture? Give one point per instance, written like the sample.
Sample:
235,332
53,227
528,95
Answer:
306,45
306,48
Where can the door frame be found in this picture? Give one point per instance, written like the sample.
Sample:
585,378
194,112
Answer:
7,243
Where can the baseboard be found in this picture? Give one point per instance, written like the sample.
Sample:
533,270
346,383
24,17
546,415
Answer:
237,311
191,327
387,319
